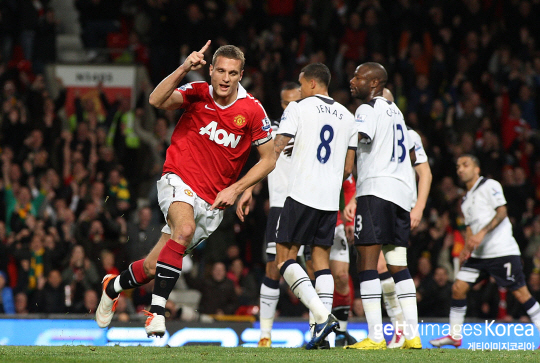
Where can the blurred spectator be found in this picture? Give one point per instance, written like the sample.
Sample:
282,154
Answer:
218,295
244,283
435,294
81,275
142,235
89,303
50,294
21,303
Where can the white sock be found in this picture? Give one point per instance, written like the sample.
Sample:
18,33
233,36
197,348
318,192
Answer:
370,292
458,309
533,309
324,285
117,286
302,288
269,300
391,302
406,293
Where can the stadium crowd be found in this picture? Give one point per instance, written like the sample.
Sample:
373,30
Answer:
78,196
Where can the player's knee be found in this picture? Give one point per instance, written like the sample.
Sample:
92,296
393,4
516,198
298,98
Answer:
459,290
185,232
341,279
149,268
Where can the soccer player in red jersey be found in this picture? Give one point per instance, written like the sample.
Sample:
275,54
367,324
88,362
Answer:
209,147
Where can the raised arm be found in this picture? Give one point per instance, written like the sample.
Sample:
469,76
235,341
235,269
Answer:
163,95
267,162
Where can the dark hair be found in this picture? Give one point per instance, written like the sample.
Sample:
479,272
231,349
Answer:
319,72
231,52
290,86
474,159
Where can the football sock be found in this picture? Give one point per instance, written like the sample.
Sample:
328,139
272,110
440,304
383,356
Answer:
533,309
268,304
406,293
342,306
301,286
458,309
324,285
391,303
131,278
168,269
370,292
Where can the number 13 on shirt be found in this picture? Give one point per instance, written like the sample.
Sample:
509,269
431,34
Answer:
401,139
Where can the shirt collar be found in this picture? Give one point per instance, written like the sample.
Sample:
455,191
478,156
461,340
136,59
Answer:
242,93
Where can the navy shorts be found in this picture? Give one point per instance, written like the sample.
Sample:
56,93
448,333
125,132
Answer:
506,270
271,232
380,222
300,224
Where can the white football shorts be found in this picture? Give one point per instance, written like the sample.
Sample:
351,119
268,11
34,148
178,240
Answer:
171,188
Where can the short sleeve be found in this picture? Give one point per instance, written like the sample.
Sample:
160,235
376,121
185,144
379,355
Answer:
366,122
261,126
495,194
191,92
353,139
289,121
421,156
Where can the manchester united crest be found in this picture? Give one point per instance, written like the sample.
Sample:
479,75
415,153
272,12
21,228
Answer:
239,120
188,192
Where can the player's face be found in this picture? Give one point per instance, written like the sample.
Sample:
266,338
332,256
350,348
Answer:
225,75
360,83
467,170
288,96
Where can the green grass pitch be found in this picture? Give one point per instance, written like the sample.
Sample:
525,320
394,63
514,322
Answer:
243,355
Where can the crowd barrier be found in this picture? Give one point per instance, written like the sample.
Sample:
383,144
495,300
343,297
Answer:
486,335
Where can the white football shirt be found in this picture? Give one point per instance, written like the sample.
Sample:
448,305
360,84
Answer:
278,179
383,160
478,208
323,130
421,157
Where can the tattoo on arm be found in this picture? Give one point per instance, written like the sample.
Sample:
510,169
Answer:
279,144
499,217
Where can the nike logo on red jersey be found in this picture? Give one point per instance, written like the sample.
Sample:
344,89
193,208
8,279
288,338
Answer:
208,108
220,136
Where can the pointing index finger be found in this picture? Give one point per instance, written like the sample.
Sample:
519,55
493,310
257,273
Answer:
205,47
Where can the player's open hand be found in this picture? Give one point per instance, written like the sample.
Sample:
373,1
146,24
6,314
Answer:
242,208
225,198
196,60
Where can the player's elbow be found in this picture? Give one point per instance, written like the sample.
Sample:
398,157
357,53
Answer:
155,100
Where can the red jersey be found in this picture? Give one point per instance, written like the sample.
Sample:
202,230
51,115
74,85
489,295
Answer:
211,143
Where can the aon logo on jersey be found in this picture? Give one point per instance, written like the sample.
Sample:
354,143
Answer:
220,136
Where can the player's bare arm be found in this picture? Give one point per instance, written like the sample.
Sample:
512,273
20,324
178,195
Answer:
164,96
499,217
424,185
349,163
280,143
267,162
466,251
